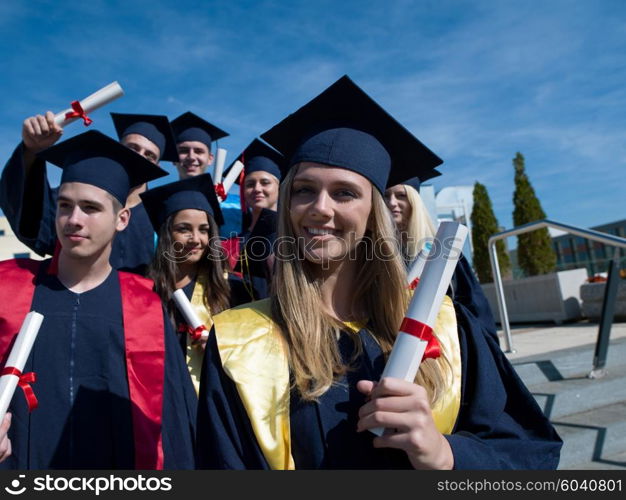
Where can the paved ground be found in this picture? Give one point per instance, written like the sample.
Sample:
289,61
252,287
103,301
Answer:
529,340
537,341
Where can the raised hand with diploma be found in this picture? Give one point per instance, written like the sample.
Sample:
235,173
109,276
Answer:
38,133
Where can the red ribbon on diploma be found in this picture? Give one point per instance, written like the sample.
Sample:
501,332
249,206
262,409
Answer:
220,191
78,112
414,284
24,382
195,333
423,332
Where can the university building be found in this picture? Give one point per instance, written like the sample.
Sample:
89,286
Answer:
574,252
10,247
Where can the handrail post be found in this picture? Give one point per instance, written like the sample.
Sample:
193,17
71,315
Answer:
590,234
499,288
606,318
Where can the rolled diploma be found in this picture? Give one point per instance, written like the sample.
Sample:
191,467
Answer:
17,358
408,350
417,267
219,165
186,309
96,100
232,175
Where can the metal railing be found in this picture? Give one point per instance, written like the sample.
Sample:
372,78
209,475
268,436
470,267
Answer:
607,239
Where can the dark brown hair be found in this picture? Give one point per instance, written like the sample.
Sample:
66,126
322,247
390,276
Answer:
212,268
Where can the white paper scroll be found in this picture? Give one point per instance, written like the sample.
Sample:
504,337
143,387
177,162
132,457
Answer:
417,266
408,350
96,100
186,309
220,159
232,175
17,358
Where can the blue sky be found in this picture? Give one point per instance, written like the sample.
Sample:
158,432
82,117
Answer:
476,81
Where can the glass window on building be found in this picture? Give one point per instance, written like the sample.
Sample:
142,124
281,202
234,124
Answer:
599,251
582,252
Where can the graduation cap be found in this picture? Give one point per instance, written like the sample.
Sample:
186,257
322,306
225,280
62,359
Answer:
191,193
416,182
258,156
155,128
344,127
96,159
190,127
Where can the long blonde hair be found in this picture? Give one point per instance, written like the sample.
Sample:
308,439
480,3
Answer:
311,335
419,227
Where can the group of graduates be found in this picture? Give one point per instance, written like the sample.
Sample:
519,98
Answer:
289,375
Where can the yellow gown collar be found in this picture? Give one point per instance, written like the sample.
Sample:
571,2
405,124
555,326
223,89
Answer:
195,352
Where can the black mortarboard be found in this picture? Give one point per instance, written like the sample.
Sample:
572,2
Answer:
96,159
258,156
155,128
416,182
194,192
190,127
344,127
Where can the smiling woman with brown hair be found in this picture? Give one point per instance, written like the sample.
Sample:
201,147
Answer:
186,216
293,382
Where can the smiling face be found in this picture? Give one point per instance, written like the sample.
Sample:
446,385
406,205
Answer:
261,190
87,219
329,211
194,158
398,203
190,235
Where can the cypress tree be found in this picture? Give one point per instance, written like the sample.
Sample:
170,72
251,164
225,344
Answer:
484,225
535,254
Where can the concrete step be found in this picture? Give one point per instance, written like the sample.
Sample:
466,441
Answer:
589,414
565,364
578,393
613,462
592,436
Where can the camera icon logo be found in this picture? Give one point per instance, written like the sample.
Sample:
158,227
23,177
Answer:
15,489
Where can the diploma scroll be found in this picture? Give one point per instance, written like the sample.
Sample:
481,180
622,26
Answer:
232,175
17,359
220,159
417,266
408,349
186,309
96,100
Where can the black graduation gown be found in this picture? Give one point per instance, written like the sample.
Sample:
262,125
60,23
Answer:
499,425
83,420
258,245
29,204
466,290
